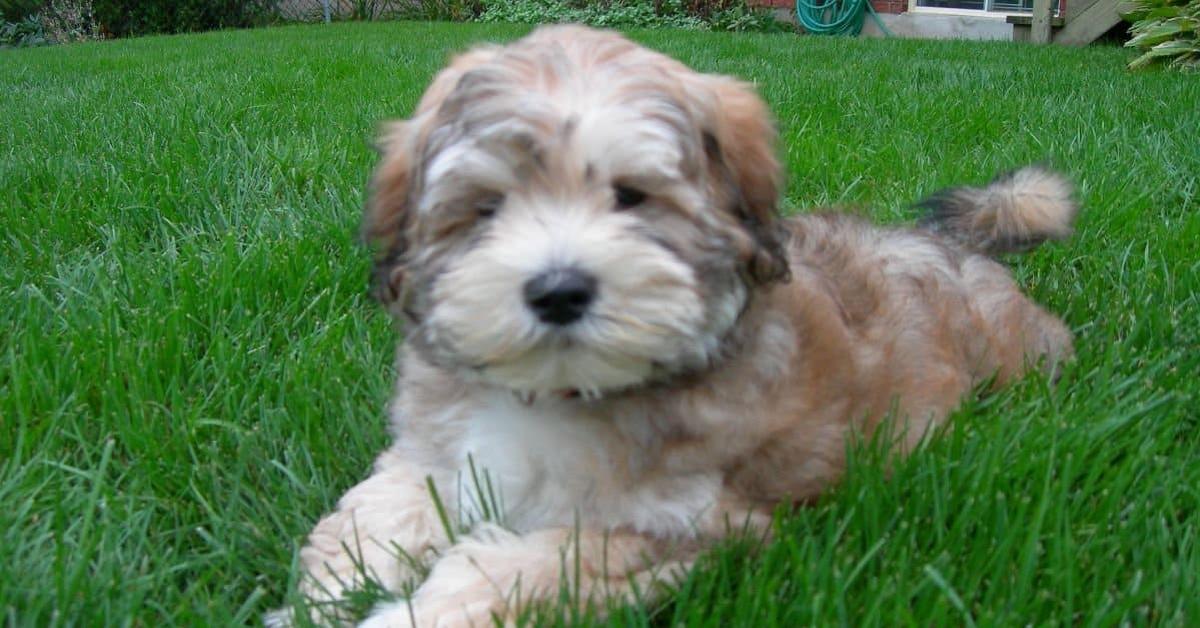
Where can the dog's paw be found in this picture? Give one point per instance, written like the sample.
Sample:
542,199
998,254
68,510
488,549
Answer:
279,618
407,614
394,614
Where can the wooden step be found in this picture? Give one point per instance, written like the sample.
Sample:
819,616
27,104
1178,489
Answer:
1091,22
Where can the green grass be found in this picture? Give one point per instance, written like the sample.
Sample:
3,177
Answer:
191,370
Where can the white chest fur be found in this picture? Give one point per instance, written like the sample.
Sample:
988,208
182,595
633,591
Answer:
562,463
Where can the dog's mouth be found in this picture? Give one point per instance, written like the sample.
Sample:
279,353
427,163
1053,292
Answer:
558,342
528,397
567,369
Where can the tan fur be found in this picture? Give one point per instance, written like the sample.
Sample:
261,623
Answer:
1014,212
731,355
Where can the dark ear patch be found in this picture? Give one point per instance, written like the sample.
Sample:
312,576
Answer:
740,138
387,277
767,262
712,148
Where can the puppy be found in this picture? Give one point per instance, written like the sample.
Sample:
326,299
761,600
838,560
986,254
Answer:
618,353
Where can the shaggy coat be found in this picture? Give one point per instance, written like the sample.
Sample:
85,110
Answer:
617,352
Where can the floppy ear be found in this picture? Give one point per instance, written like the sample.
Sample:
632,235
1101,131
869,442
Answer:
387,219
740,144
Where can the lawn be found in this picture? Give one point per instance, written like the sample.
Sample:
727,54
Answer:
191,370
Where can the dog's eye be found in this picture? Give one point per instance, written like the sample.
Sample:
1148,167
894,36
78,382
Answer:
487,206
628,197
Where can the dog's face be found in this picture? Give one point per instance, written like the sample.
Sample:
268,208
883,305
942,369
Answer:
574,212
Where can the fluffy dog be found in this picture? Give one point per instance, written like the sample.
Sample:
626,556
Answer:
617,351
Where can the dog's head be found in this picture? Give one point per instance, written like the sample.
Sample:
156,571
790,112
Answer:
575,212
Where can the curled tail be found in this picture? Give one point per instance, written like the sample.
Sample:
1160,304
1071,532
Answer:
1015,212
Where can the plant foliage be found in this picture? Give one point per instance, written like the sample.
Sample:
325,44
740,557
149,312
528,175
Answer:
440,10
17,10
720,15
1166,31
126,18
122,18
47,22
23,33
67,21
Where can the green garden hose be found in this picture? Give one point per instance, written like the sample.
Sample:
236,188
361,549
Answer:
836,17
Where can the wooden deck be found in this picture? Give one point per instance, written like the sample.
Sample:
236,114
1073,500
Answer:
1085,20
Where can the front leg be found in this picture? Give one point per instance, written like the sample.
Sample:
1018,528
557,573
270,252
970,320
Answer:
495,575
381,528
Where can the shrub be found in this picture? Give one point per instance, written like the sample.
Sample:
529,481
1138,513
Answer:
613,13
728,15
123,18
18,10
743,18
1167,31
722,15
441,10
66,21
48,22
23,33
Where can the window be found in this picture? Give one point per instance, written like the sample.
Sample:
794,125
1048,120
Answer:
981,6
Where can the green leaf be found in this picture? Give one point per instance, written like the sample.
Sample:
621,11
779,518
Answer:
1156,34
1187,62
1174,47
1164,13
1141,62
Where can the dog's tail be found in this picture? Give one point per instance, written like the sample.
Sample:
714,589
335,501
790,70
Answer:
1013,213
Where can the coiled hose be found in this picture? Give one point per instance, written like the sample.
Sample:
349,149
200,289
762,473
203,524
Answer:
836,17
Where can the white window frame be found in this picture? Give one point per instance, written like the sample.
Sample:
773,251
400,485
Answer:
914,8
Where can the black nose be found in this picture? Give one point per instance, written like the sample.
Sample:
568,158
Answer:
560,296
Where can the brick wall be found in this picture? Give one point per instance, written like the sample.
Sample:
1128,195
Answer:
890,6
